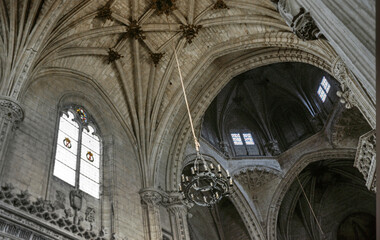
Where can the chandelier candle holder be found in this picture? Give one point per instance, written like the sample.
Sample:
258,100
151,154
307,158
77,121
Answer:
203,184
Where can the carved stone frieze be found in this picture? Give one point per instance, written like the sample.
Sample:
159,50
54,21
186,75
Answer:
255,177
44,212
190,31
365,159
164,6
304,27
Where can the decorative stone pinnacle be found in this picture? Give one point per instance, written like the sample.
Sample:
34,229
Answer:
134,31
220,4
156,57
105,12
164,6
113,56
190,31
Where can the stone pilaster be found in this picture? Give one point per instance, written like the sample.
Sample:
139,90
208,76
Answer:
151,198
178,218
11,114
365,159
351,94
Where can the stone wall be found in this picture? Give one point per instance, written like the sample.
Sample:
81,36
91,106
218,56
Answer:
29,160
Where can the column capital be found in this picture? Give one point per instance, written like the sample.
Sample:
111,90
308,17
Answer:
151,196
11,110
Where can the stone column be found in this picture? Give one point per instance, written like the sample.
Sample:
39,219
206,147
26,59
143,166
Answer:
11,114
365,159
353,41
178,218
351,94
151,198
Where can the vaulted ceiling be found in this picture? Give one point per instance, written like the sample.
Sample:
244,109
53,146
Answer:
125,48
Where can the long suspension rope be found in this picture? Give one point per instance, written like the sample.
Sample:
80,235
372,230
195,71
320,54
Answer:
196,143
311,209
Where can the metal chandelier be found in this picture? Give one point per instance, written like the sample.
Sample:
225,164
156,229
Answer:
203,183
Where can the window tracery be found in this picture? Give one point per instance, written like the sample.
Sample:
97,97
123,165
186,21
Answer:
77,157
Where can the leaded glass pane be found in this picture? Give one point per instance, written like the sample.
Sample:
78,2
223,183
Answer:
236,139
67,142
325,84
91,141
89,170
90,156
248,139
66,151
88,186
64,172
321,93
66,157
69,127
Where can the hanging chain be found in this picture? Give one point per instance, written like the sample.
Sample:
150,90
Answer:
196,143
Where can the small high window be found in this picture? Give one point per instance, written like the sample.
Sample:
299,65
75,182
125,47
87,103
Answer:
77,157
324,88
248,139
237,139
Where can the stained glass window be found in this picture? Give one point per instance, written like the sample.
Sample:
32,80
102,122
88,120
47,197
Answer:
78,152
248,139
236,139
323,89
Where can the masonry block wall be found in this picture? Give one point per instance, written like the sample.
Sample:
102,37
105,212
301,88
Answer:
30,157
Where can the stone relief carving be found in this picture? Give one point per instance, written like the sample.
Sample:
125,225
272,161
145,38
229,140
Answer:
134,31
225,148
105,12
60,200
220,4
341,73
164,6
156,57
113,56
304,27
76,197
190,32
44,210
273,148
255,177
11,111
347,127
365,159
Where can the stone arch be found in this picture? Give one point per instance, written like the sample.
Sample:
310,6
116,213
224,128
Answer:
246,212
297,52
290,176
